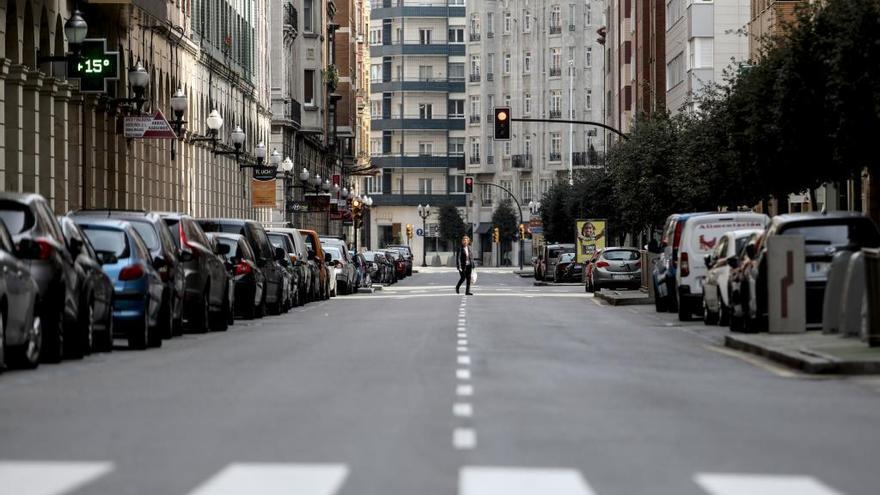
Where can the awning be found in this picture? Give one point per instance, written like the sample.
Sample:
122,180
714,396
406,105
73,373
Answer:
484,227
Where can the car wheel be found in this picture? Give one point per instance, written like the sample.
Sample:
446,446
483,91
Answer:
26,355
684,313
53,335
178,322
723,311
201,314
82,334
709,317
138,333
229,308
166,319
154,333
217,319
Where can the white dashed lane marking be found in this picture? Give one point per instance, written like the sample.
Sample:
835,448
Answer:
464,360
463,409
465,439
481,480
464,390
463,374
48,478
276,479
753,484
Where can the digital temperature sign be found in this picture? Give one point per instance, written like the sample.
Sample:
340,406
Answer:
94,66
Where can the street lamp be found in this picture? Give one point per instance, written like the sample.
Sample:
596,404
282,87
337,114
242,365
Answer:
326,186
287,165
424,213
75,30
304,176
260,153
178,107
275,158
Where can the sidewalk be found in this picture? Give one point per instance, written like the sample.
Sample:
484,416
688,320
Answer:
623,297
811,352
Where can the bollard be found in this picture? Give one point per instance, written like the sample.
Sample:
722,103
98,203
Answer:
834,292
872,275
850,311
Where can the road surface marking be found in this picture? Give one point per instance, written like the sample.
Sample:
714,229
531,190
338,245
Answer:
464,360
462,321
275,479
464,439
484,480
463,409
462,342
756,484
461,348
463,374
48,478
754,361
464,390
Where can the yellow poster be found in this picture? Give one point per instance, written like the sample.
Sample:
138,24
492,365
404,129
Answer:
263,193
590,238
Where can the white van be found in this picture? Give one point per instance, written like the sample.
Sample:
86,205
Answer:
699,237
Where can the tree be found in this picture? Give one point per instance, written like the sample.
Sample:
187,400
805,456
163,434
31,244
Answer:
452,227
506,219
556,215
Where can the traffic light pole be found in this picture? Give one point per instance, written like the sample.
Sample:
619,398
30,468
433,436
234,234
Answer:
518,208
579,122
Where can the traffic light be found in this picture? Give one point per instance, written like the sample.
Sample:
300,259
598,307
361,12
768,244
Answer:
522,231
496,235
409,231
469,185
502,123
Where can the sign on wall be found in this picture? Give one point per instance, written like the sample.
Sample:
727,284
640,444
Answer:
263,193
590,238
95,67
148,127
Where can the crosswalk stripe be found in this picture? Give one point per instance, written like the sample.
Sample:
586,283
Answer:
275,479
756,484
486,480
48,478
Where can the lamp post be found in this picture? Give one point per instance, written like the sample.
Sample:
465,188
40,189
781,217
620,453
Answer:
75,30
178,108
424,213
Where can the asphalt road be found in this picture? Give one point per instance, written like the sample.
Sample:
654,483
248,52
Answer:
414,390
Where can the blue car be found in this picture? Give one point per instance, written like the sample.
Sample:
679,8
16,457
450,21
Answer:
663,272
137,285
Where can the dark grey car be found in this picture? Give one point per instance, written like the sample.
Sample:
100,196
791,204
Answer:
20,332
614,267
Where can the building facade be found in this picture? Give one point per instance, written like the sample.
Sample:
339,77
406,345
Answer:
543,60
417,98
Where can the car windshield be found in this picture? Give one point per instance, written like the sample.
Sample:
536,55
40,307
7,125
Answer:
741,243
232,243
277,241
566,258
369,256
173,225
107,240
18,217
148,234
334,252
621,255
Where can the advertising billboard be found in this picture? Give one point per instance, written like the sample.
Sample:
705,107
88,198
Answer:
590,237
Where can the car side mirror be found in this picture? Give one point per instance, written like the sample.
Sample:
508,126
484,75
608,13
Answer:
106,257
185,256
733,262
280,254
28,249
222,249
708,260
75,246
327,258
159,263
750,251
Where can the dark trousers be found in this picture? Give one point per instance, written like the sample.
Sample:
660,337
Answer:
465,277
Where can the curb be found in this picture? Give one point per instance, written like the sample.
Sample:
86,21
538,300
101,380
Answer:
622,301
802,359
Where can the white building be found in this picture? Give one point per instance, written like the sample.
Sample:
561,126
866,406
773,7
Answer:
703,38
542,60
417,138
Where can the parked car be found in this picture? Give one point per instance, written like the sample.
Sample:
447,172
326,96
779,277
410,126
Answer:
345,267
360,266
20,330
160,242
614,267
282,241
267,257
247,278
551,255
398,263
738,281
375,266
824,234
206,301
316,253
137,286
699,236
346,278
664,270
568,269
307,270
407,255
716,295
95,290
40,243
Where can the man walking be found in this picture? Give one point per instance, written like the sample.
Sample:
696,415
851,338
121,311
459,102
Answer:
465,263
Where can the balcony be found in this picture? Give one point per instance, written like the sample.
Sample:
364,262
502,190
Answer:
474,119
415,198
475,77
291,21
416,47
474,159
556,29
490,77
474,37
417,160
587,159
555,157
415,8
555,114
555,71
416,121
428,85
522,162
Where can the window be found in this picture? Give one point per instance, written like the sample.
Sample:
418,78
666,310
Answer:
426,148
527,22
588,13
588,100
426,111
527,62
545,186
490,22
506,184
556,103
456,72
456,146
486,194
475,149
527,103
507,101
675,9
555,19
507,63
425,186
475,65
475,106
588,57
507,23
376,73
376,147
475,24
371,185
456,184
456,34
490,63
399,33
309,87
505,148
526,190
426,73
572,15
425,36
700,53
527,145
375,108
675,71
555,61
376,36
555,147
308,15
456,108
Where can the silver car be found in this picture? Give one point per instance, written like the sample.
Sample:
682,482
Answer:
614,267
20,332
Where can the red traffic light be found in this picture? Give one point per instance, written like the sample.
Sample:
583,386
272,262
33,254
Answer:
468,185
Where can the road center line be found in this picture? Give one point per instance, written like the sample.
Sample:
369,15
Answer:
464,390
463,374
464,438
464,360
463,409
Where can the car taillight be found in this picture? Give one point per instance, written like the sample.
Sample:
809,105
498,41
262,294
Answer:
131,272
638,264
46,249
676,240
602,264
685,265
242,268
184,242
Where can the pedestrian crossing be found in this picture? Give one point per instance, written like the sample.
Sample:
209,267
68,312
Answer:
61,478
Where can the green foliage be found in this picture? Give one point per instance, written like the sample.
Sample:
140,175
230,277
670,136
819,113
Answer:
452,227
506,219
556,215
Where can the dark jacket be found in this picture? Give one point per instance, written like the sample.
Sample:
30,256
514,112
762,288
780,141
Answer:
463,262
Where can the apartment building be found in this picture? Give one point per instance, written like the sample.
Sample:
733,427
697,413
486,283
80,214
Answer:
543,60
417,129
768,18
703,38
